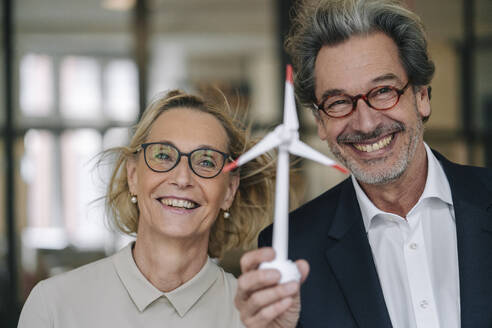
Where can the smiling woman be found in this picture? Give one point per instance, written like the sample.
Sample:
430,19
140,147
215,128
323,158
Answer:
167,188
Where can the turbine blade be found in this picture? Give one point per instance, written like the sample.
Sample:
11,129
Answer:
269,142
299,148
291,121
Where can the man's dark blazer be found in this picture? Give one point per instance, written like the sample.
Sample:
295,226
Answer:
343,289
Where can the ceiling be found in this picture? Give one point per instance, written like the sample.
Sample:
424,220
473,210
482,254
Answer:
443,18
221,33
167,16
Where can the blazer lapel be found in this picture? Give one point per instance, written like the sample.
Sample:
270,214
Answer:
473,212
350,257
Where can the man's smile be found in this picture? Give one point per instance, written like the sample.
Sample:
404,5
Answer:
379,139
374,146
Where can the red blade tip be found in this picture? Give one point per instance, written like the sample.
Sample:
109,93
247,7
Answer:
231,166
288,74
341,169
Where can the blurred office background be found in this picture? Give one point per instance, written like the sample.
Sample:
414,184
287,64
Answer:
74,76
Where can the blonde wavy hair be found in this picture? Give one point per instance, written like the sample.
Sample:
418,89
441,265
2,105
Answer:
252,207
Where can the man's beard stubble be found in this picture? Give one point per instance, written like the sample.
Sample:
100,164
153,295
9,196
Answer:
383,175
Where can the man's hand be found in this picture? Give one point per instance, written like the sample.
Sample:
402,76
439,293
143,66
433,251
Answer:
261,301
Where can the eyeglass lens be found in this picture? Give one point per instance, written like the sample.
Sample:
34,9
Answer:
164,157
383,97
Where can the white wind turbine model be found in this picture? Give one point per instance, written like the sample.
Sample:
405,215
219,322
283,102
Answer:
286,138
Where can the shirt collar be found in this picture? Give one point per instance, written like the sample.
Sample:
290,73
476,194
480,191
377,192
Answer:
143,293
436,186
367,208
185,296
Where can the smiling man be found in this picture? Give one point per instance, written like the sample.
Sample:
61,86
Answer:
404,242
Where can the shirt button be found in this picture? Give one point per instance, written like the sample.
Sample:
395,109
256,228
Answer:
424,304
413,246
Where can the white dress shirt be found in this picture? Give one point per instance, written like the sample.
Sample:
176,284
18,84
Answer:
417,258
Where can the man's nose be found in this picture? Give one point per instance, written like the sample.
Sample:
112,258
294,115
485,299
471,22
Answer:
364,118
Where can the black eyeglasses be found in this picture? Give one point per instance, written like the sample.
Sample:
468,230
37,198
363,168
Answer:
163,157
379,98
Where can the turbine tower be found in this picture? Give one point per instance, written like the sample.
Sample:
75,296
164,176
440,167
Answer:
286,138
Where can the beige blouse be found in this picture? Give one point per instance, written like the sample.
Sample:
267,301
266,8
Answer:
112,292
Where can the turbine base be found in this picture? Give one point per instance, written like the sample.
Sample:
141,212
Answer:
288,269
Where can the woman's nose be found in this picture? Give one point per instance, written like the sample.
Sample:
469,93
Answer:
182,175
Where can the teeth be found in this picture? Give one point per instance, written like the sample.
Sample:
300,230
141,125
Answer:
178,203
375,146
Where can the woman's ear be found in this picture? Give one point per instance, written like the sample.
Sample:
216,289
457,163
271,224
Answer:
231,191
131,175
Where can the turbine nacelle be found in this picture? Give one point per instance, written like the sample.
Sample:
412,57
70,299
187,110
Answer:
286,135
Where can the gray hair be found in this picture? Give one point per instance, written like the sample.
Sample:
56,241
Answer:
331,22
